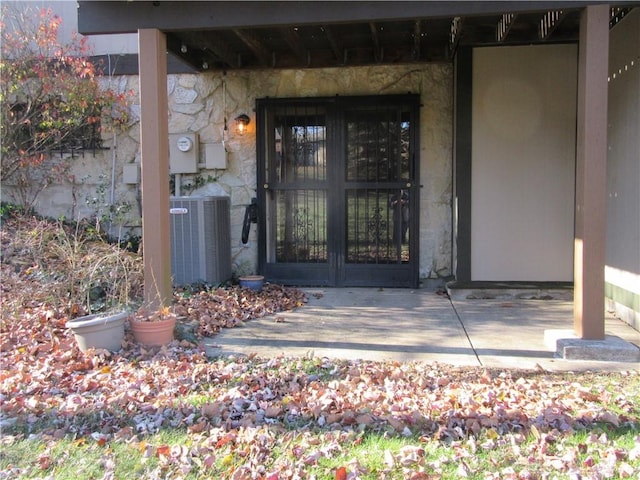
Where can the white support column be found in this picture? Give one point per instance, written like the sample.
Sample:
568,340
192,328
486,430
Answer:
591,173
154,141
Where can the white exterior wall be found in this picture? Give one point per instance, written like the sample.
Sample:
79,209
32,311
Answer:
622,272
523,163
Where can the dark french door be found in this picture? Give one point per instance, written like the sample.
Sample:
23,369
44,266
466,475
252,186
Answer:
337,191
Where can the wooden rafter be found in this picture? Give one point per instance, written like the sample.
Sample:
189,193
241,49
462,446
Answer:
186,53
255,45
375,37
504,26
417,37
336,45
214,43
291,36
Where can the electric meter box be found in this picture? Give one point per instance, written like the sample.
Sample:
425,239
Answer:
183,152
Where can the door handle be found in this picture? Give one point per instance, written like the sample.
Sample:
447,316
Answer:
250,216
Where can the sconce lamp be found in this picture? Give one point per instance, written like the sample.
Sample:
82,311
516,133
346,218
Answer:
242,121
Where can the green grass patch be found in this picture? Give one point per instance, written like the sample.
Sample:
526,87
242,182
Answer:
87,458
320,453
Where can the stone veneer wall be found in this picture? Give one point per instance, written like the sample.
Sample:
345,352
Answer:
197,104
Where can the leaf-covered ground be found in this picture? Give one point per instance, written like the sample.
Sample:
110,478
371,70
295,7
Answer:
172,413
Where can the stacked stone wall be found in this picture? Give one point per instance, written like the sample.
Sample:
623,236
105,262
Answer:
203,103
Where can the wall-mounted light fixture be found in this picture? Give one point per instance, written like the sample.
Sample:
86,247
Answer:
242,121
183,48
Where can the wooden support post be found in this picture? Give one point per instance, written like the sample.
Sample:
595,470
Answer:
154,141
591,173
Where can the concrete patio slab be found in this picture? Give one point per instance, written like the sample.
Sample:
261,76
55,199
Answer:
505,333
417,325
511,332
368,324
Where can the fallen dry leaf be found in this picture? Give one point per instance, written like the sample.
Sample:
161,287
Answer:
238,414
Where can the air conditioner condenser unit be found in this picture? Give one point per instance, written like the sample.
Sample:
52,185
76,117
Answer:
200,240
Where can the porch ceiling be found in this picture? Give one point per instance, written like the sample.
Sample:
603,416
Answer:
283,34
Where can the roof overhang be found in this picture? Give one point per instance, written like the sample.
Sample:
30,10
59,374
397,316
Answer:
285,34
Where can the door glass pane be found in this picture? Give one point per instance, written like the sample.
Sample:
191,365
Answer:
377,226
299,136
301,226
377,146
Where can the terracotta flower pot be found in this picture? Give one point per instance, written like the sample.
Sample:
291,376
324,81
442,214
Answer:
253,282
153,333
99,331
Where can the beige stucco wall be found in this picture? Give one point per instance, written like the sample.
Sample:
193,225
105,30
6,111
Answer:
197,104
622,272
523,163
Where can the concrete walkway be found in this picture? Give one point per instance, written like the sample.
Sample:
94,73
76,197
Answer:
417,325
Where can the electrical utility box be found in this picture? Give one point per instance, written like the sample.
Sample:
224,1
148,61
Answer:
183,153
200,240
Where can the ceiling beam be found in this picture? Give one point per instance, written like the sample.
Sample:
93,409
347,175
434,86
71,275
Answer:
417,39
295,43
213,42
336,45
190,56
255,45
375,38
